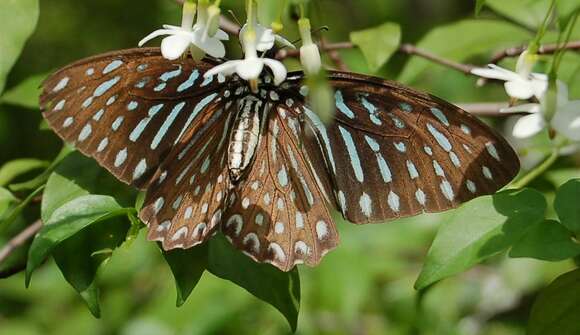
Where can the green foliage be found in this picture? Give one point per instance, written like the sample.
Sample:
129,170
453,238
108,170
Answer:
566,205
470,38
94,237
17,22
378,44
479,230
556,310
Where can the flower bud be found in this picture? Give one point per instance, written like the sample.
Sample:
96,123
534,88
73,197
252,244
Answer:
309,53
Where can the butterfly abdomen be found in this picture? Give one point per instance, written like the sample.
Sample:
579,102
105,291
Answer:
245,136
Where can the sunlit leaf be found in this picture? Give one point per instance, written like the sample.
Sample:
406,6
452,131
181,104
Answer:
26,93
16,168
567,205
378,44
187,267
279,289
18,20
547,240
480,229
68,220
556,309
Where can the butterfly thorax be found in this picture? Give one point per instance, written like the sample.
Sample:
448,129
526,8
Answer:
245,135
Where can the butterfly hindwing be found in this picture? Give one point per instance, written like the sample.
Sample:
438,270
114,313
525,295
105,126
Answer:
128,109
278,214
187,197
394,152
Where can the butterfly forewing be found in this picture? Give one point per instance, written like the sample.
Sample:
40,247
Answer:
278,213
394,152
128,109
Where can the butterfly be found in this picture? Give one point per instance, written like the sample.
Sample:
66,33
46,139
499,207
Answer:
262,167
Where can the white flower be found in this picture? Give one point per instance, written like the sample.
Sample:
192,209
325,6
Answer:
521,84
181,38
309,53
566,120
265,38
251,66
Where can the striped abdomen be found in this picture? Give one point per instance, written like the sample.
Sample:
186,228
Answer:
245,136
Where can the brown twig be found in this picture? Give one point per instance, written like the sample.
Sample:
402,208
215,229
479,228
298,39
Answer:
20,240
543,50
334,56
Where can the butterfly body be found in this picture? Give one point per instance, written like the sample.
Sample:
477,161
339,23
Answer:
263,168
245,134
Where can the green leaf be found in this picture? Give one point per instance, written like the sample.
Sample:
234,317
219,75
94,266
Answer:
67,221
548,241
378,44
79,257
469,38
41,179
26,93
18,20
7,221
529,13
555,311
480,229
6,199
479,6
566,205
16,168
187,267
279,289
76,176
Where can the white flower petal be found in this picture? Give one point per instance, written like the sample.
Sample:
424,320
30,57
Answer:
529,125
525,108
227,68
265,37
210,45
519,89
495,72
278,69
222,35
156,33
172,47
567,120
310,58
539,87
250,68
562,93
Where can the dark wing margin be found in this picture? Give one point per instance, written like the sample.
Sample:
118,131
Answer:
128,109
393,152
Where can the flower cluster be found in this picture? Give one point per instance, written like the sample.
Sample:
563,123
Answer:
523,84
205,38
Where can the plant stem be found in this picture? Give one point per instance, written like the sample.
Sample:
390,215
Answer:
537,171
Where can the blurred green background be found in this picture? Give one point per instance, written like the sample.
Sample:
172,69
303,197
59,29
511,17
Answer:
364,287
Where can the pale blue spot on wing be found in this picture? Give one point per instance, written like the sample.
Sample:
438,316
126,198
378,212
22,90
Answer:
353,154
112,66
492,150
189,82
454,159
198,108
142,67
87,102
438,170
447,190
471,186
321,130
111,100
118,122
85,133
132,105
98,115
170,74
466,129
121,158
487,173
61,84
373,111
342,107
136,133
397,122
440,116
59,106
421,197
140,169
413,173
206,81
383,166
366,205
166,125
104,87
440,138
160,87
406,107
394,201
283,177
400,146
